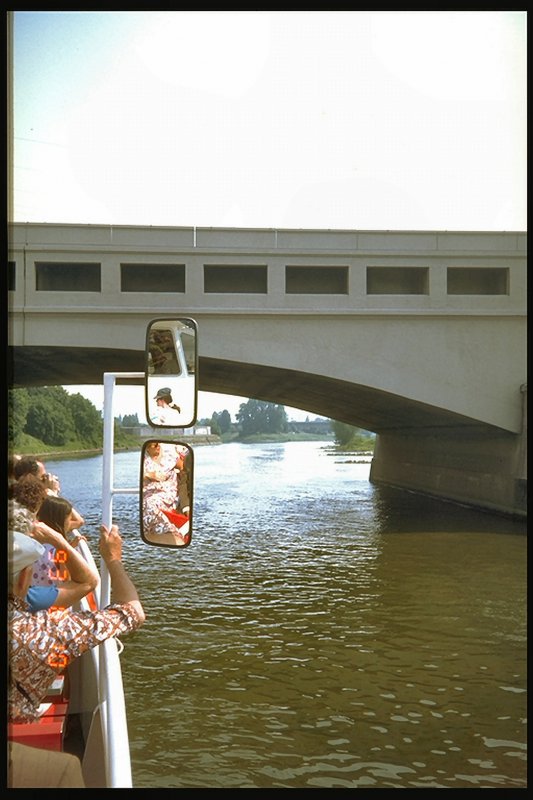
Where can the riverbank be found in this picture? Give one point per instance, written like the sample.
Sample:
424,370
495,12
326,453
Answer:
35,448
96,451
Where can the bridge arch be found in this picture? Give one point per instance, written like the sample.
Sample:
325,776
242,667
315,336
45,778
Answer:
362,406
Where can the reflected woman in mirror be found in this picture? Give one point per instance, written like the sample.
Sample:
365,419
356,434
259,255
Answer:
168,413
162,522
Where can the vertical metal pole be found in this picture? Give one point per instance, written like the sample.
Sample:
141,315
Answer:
105,585
107,476
111,690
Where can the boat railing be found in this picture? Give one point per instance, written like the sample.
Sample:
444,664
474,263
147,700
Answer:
111,703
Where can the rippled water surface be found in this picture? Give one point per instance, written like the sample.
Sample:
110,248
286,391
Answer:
320,631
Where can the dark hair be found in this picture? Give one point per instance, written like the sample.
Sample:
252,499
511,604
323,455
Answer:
54,512
28,491
12,459
26,466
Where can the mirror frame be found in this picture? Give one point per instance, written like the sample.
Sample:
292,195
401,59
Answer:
187,423
151,541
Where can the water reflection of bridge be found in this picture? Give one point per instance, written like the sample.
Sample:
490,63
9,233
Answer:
418,336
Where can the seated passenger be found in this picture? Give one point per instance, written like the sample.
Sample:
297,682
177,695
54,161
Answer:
74,577
67,587
12,459
27,465
27,492
60,515
40,645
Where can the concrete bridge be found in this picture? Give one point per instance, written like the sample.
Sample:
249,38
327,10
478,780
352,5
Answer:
417,336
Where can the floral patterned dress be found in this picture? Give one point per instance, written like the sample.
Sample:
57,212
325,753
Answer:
160,491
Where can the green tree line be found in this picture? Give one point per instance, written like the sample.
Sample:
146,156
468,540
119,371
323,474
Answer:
58,419
259,417
349,437
49,414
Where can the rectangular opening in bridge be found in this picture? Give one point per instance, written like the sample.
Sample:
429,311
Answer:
59,276
227,279
478,280
11,276
397,280
316,280
152,278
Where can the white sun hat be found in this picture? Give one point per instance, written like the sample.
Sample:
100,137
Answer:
23,551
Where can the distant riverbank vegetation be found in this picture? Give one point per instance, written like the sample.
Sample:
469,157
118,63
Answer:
46,420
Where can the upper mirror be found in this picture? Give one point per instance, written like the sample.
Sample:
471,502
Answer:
171,372
166,493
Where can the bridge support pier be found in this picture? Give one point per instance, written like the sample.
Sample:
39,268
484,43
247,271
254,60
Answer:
485,471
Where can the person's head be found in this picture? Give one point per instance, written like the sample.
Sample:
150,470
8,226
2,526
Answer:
163,397
153,449
12,459
23,553
29,491
59,514
27,465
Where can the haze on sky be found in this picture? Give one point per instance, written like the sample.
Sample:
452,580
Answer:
405,120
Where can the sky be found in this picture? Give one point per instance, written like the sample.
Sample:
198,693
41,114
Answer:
384,120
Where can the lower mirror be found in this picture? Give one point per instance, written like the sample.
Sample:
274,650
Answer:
166,493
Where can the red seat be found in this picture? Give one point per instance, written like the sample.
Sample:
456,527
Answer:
47,732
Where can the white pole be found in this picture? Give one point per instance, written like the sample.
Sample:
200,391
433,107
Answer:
105,587
107,476
111,692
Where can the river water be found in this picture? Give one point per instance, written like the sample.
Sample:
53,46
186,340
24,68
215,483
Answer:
320,631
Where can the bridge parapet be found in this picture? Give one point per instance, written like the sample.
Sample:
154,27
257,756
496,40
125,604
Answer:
138,269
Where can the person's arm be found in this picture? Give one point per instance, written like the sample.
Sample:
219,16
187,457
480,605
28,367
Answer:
52,484
154,475
83,578
122,586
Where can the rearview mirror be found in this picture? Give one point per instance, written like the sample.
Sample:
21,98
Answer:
166,493
171,373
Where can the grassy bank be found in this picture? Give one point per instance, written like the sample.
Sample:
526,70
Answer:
30,446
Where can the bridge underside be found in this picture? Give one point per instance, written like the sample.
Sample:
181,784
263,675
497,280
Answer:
362,406
419,447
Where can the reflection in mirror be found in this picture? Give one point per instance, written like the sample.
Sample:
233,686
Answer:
166,493
171,373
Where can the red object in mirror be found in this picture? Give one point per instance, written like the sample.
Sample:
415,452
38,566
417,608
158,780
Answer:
175,517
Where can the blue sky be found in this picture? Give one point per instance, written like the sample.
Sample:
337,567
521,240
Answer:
308,119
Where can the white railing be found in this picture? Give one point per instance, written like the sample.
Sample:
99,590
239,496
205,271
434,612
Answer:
109,674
